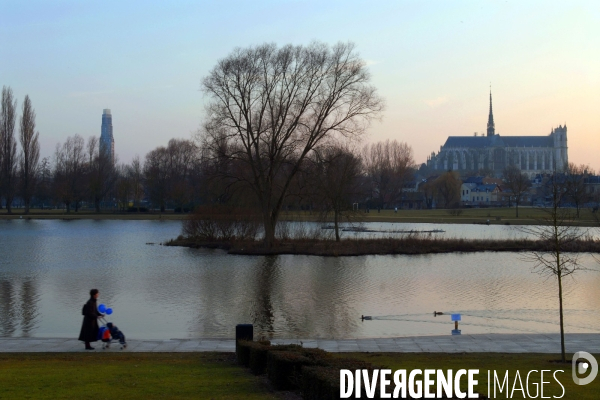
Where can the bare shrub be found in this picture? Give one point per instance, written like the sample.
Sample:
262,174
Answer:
218,222
455,212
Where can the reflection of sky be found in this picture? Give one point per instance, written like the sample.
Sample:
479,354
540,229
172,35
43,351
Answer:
432,61
48,267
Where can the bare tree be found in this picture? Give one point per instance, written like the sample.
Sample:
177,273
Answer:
447,189
181,159
168,172
136,175
270,107
389,166
427,187
123,186
101,173
156,177
30,153
574,182
8,147
556,229
336,181
43,189
518,183
69,170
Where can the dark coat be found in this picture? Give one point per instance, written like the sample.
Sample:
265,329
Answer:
89,327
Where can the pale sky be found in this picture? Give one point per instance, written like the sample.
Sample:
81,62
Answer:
432,61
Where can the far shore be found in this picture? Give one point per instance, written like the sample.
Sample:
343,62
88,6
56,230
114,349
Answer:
487,216
90,214
409,245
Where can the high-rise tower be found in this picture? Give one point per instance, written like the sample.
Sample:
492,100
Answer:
107,141
491,129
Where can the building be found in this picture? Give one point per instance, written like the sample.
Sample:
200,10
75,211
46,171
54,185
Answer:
492,153
107,141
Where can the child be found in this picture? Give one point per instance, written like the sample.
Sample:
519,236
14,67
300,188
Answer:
116,334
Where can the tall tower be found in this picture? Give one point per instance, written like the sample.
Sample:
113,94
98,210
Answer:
107,141
491,129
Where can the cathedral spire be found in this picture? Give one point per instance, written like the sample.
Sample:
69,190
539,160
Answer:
491,130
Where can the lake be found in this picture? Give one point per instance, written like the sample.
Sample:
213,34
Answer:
47,268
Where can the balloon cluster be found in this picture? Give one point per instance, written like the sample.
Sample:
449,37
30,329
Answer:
103,309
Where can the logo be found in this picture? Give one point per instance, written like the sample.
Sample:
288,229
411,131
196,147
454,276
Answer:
590,364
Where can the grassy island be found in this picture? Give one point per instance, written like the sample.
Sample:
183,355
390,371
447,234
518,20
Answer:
406,245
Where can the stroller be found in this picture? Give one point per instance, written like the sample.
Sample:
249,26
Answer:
109,333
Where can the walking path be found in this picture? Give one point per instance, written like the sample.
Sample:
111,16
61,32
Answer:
494,343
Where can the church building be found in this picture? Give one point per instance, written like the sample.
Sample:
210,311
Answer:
493,153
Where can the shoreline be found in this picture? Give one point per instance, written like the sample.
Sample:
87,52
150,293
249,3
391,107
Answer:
477,216
519,343
383,246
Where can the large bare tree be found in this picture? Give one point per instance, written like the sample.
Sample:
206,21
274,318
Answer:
518,183
30,153
389,166
272,106
8,147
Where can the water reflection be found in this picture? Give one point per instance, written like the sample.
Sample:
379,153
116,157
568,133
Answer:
261,309
18,307
7,308
48,267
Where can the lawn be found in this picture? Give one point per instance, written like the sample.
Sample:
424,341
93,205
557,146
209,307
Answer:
128,376
493,362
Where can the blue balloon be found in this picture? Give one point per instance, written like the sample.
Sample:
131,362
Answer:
108,311
102,308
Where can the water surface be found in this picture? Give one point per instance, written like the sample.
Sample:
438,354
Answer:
48,266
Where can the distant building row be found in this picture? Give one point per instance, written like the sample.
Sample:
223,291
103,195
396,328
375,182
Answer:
533,155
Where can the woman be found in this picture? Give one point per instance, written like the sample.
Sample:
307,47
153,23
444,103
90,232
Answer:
89,327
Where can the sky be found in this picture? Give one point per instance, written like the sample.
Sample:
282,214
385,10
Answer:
432,61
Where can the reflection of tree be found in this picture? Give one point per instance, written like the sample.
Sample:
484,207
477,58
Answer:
332,304
17,306
28,306
7,320
262,305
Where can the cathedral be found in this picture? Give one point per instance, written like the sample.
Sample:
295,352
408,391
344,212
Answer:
531,154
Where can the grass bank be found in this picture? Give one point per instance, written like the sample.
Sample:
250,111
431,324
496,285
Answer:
19,213
406,245
218,376
496,216
128,376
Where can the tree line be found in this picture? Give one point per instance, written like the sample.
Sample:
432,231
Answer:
282,131
18,170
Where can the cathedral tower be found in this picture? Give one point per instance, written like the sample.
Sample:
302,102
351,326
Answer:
491,130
